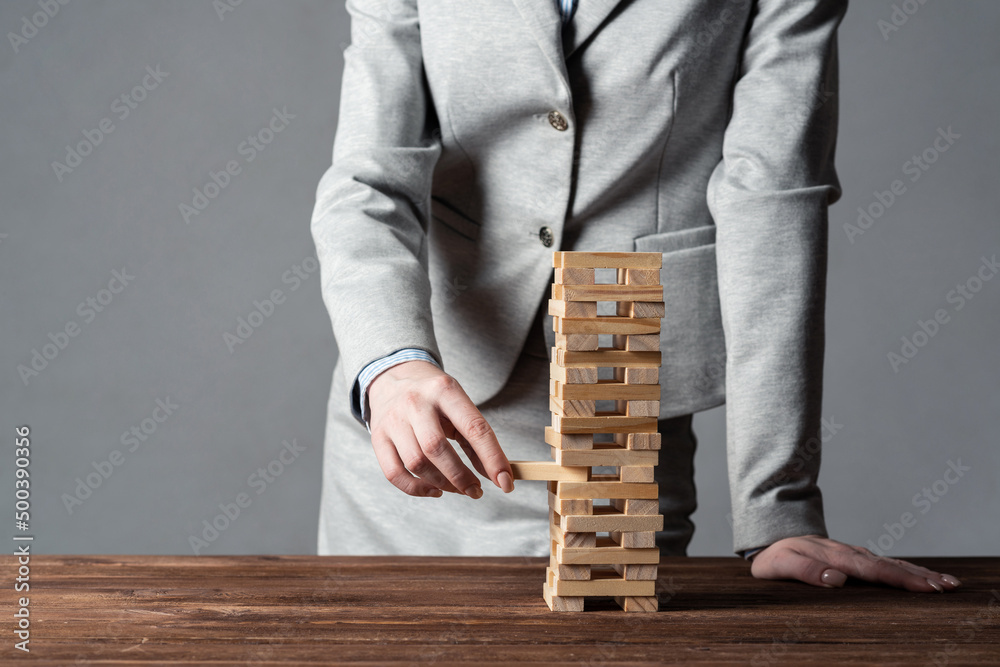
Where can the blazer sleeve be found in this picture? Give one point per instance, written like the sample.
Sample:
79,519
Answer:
769,196
369,223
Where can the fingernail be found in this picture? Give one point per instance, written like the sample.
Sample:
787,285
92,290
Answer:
434,493
834,578
505,481
936,586
474,492
951,580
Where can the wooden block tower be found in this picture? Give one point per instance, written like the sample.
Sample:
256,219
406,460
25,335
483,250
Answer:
603,526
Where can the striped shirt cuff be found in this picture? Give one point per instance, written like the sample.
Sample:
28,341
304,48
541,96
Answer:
369,372
750,552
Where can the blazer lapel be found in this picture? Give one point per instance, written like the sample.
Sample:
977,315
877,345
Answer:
589,15
545,24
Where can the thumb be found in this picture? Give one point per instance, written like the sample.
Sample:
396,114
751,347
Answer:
792,565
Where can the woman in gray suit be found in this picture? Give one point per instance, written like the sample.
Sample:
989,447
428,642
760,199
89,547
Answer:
474,139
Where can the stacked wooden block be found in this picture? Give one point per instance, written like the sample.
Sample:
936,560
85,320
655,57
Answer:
603,526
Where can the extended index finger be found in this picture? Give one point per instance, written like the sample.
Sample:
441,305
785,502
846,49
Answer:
469,422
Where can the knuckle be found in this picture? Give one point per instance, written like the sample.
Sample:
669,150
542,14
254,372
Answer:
435,447
417,464
411,398
443,383
478,428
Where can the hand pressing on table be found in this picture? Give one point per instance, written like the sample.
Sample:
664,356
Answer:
415,409
824,562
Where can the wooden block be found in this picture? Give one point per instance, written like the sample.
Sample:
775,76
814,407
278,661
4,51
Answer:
611,324
635,540
607,490
570,506
603,422
607,260
638,408
635,603
606,519
635,375
607,456
636,506
642,277
635,342
641,441
626,293
548,470
581,342
605,390
572,408
607,356
639,309
571,572
573,309
562,602
581,375
575,276
637,474
567,441
634,571
605,552
604,583
574,540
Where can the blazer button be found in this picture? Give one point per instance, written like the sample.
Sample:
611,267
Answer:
557,121
546,236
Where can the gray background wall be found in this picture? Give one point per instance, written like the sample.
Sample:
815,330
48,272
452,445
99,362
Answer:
161,337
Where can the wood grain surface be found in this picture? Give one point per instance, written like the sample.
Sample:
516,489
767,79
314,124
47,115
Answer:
261,610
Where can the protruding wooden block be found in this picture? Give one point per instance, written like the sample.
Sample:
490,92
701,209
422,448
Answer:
637,474
575,276
561,602
607,490
573,540
569,441
572,408
638,408
627,293
640,441
635,540
633,375
573,309
577,342
571,572
633,603
636,342
548,470
607,260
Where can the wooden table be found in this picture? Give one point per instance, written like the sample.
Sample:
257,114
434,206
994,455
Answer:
224,610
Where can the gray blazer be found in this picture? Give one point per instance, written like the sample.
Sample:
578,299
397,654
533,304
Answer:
474,138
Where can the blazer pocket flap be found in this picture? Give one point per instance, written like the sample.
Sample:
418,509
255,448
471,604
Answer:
676,240
448,216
